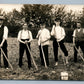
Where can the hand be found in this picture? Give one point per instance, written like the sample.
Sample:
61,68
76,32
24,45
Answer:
26,42
22,42
36,37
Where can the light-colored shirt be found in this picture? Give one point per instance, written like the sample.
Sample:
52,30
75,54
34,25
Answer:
58,32
5,34
43,37
24,35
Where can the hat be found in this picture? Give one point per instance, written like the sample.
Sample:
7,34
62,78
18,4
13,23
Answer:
57,19
2,17
42,23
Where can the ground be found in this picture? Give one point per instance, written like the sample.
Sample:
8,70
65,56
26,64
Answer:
75,70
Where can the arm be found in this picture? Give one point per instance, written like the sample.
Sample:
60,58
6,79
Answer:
37,36
53,31
39,32
63,33
31,38
5,36
74,37
74,41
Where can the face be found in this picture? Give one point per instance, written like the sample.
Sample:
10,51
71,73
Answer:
25,26
1,22
42,26
78,25
57,23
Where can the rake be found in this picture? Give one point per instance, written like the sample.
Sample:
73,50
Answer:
6,58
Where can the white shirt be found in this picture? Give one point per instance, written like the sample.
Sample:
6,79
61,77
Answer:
5,34
24,35
43,36
58,32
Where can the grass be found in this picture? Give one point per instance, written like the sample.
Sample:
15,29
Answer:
75,70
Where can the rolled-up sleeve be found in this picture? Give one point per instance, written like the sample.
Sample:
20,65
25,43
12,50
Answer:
31,38
19,36
63,32
52,31
5,35
74,33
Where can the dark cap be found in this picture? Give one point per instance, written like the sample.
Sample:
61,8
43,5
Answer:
42,23
2,17
57,19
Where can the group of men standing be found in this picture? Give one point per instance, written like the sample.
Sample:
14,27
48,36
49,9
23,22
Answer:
43,36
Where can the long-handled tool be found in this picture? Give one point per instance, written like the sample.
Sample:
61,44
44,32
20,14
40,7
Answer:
6,58
32,57
0,60
63,57
79,53
43,57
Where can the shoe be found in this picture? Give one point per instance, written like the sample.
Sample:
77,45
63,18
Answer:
7,68
56,63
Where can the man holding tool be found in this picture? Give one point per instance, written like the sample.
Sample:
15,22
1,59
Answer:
24,38
3,40
43,37
59,35
78,40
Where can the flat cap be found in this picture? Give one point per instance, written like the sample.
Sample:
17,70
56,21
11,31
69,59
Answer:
2,17
57,19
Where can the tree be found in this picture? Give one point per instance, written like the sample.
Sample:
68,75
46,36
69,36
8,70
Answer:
36,13
82,17
13,21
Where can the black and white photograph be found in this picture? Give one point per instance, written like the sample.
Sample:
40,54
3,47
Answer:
41,42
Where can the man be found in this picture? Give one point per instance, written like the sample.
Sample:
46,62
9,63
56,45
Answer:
43,37
59,35
3,40
78,40
24,38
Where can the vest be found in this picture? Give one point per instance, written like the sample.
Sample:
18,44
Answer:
1,33
80,35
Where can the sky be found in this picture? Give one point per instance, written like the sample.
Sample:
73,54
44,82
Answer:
9,7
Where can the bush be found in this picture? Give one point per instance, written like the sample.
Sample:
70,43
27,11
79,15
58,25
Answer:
15,29
69,33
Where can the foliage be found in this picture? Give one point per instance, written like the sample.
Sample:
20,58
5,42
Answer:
37,13
33,14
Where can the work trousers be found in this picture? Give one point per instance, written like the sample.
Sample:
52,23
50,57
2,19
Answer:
4,48
81,45
22,48
55,49
45,51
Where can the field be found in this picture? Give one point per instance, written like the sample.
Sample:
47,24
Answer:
75,70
